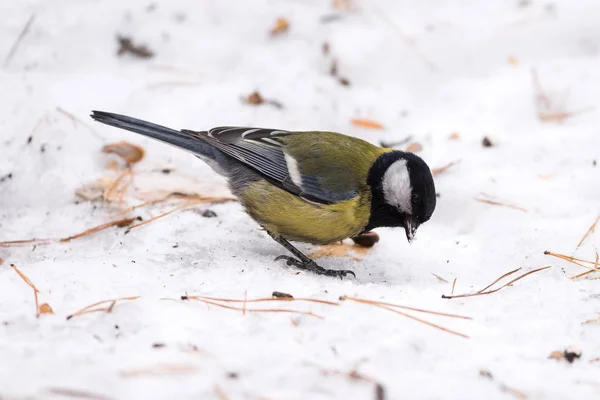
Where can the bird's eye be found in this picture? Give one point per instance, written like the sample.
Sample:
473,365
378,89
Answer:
414,199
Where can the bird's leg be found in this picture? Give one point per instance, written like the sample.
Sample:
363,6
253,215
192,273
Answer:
301,261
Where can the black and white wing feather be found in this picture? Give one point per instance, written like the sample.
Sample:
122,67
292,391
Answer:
263,150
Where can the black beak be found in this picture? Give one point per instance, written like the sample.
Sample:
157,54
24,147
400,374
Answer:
410,226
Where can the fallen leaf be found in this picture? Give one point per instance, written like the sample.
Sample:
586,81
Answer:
454,136
281,25
255,98
130,153
340,250
414,147
512,60
367,123
46,309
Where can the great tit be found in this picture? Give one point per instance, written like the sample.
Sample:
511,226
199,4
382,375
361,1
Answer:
313,187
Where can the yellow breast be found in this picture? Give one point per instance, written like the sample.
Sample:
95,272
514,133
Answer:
293,218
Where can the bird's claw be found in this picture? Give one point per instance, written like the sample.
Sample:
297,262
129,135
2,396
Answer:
314,267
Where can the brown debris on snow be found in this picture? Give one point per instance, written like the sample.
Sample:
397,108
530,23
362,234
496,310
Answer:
547,108
44,308
499,203
485,290
126,46
366,123
130,153
570,355
395,309
281,26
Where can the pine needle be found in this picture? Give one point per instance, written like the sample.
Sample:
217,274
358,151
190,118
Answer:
589,231
394,310
483,292
224,300
35,292
497,203
596,269
266,310
120,223
383,303
90,308
221,393
440,278
574,260
440,170
178,208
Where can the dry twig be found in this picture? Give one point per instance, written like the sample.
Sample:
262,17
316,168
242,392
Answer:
591,230
484,291
221,393
15,46
439,278
39,309
121,223
266,310
437,171
366,123
280,298
76,393
393,308
91,309
574,260
497,203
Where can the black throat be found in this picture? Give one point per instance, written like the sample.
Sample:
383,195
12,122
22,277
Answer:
382,214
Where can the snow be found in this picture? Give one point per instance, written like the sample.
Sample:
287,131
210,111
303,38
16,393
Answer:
425,69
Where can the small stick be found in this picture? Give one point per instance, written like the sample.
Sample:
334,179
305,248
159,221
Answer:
590,230
181,207
497,280
77,393
440,278
453,285
423,321
17,42
437,171
382,303
497,203
76,121
331,303
21,242
144,204
108,193
589,271
573,260
120,223
89,309
259,310
221,393
31,285
494,290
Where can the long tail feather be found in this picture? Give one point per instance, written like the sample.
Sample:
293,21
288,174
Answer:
164,134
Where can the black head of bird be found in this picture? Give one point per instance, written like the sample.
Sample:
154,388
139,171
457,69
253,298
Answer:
403,192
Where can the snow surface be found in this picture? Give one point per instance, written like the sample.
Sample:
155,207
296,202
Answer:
425,69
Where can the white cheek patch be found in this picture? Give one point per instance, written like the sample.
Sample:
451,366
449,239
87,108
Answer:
397,190
294,171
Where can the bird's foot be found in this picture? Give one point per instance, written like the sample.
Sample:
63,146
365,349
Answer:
314,267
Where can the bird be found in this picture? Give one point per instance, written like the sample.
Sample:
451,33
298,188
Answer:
307,186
